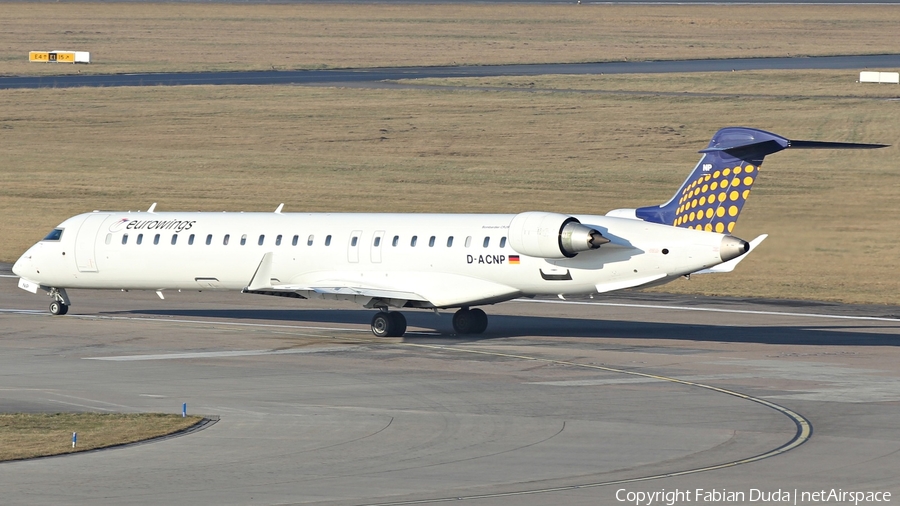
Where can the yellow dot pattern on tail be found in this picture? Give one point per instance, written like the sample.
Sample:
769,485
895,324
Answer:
713,200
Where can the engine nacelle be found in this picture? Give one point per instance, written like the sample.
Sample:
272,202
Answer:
551,235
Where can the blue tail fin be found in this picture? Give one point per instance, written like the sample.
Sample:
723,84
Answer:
712,197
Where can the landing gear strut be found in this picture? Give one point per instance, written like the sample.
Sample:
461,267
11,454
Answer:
387,324
470,321
60,304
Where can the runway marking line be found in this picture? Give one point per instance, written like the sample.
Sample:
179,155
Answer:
803,426
710,310
216,354
802,434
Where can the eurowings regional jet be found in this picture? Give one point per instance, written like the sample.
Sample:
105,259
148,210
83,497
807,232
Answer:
427,261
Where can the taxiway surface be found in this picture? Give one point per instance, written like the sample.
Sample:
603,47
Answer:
374,76
543,408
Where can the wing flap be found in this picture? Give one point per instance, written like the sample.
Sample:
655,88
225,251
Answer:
436,289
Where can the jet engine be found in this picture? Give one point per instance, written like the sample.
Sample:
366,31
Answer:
551,235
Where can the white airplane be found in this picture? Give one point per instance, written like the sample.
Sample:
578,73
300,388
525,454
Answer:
428,261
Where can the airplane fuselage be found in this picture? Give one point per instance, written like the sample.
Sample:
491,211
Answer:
448,260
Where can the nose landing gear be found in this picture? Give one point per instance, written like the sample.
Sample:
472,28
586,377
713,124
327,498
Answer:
60,304
58,308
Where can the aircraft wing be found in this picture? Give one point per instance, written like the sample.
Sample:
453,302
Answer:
424,289
344,288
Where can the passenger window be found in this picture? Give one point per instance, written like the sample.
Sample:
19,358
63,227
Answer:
413,241
225,240
450,241
487,240
468,241
124,238
55,235
396,241
310,240
156,239
327,240
262,238
377,242
191,240
208,239
278,240
174,239
140,238
503,242
108,238
295,240
431,242
353,241
243,239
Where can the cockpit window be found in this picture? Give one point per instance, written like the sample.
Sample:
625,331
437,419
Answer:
55,235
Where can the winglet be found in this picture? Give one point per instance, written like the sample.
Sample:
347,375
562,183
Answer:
280,207
152,207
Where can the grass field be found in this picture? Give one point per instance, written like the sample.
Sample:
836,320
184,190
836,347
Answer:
24,436
831,214
170,37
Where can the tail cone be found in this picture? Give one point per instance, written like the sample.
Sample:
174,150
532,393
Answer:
732,247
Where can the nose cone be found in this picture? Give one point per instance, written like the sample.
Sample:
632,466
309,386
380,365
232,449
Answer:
24,266
732,247
19,267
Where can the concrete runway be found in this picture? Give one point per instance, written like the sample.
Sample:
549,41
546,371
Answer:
543,408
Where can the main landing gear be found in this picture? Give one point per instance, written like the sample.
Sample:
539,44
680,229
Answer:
470,321
465,321
386,324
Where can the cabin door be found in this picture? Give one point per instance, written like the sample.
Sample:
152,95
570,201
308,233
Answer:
86,242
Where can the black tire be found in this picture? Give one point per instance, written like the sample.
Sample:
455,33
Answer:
57,308
480,321
398,324
463,321
382,324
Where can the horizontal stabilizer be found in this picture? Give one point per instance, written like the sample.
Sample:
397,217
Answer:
832,145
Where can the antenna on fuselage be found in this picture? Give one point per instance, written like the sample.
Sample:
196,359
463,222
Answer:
152,207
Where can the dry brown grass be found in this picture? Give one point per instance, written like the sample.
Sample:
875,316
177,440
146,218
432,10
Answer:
167,37
25,436
831,214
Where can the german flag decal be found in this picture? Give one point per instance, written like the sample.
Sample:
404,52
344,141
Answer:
514,259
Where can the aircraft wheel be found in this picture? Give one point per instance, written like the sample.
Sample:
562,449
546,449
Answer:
58,308
398,324
385,324
469,321
480,321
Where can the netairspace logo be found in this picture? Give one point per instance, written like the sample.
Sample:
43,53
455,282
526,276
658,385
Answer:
752,496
